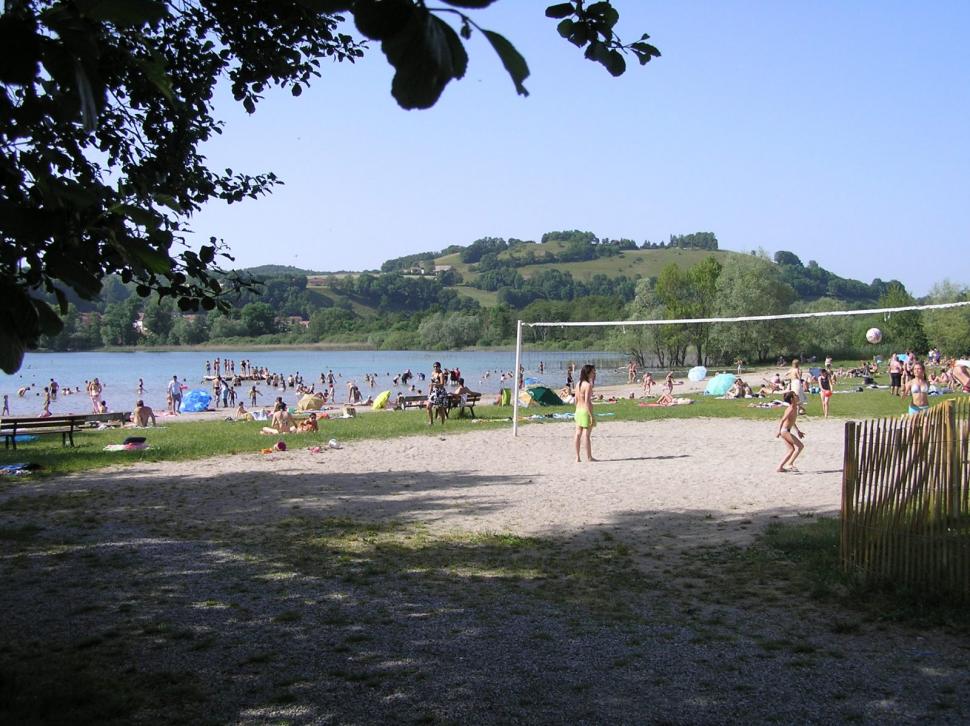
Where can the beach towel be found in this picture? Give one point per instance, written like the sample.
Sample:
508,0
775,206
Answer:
126,447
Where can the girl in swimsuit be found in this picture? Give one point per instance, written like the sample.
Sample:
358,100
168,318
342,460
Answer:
825,386
584,411
785,427
918,388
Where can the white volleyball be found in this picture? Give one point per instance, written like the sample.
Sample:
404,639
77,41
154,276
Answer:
874,335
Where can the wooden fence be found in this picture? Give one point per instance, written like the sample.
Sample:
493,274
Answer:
906,500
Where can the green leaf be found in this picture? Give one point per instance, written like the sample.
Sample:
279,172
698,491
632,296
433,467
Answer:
562,10
474,4
136,214
12,350
327,6
615,63
513,61
565,28
154,70
123,12
151,259
427,53
48,321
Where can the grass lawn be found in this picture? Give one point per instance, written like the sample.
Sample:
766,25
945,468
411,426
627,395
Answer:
201,439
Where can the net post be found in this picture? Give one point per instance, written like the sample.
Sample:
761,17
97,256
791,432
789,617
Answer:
515,379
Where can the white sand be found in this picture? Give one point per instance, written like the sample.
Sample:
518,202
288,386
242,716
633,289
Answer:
666,484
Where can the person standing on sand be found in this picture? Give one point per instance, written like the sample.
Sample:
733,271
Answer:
825,389
788,422
585,420
795,384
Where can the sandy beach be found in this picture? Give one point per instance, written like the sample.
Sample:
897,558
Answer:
716,471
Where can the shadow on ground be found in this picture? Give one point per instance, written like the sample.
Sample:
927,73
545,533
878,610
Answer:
246,598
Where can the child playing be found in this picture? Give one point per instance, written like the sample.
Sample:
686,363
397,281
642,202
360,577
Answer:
785,427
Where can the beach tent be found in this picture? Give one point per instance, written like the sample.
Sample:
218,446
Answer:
196,400
381,400
544,396
310,402
719,384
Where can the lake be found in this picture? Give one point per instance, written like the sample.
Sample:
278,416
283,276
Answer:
119,372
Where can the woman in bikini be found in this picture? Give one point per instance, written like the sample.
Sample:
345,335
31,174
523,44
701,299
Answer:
788,422
584,411
918,387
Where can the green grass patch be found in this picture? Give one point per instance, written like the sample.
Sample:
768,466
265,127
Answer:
600,577
801,561
188,440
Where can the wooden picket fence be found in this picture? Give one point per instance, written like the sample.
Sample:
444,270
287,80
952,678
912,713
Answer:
906,500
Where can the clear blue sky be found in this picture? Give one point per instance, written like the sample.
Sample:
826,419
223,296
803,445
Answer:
838,131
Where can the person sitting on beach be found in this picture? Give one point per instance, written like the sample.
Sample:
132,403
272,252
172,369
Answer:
774,384
283,421
103,407
310,424
241,412
665,399
142,414
960,374
736,390
669,383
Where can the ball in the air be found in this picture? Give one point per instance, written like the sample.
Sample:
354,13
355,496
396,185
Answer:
874,335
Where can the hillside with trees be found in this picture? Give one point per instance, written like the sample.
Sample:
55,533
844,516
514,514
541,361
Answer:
471,295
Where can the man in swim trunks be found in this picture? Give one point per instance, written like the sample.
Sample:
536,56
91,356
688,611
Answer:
142,414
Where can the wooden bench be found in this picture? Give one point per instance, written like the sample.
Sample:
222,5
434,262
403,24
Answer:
117,418
454,401
414,402
11,428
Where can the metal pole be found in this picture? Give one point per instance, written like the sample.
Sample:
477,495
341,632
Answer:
515,379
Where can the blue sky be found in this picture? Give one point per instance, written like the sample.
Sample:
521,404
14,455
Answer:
838,131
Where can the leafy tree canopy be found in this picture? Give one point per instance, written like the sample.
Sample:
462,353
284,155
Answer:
105,103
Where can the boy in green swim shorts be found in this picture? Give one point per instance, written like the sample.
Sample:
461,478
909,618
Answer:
585,421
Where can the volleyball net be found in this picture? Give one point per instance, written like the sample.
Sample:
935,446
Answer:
521,325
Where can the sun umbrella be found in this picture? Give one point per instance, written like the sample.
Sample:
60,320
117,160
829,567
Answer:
719,384
697,373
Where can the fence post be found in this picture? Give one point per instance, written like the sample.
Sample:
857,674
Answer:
849,482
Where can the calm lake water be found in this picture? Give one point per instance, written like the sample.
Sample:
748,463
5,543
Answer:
119,372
